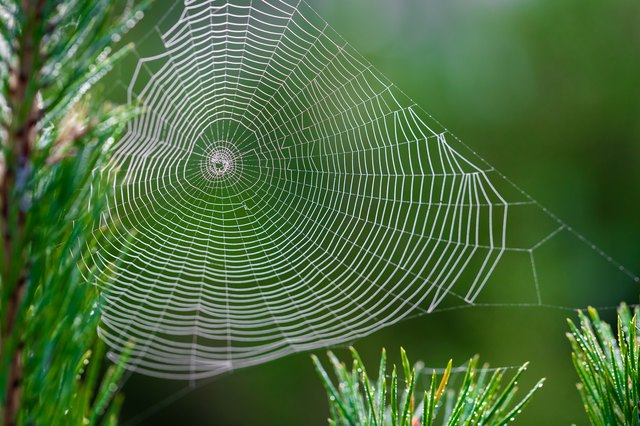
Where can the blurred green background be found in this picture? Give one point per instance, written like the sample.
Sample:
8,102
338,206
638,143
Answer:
546,91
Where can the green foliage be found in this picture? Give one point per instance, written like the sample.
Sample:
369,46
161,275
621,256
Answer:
63,377
55,135
482,398
607,367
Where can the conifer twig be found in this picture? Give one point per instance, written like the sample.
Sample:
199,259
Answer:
481,398
48,206
608,364
24,112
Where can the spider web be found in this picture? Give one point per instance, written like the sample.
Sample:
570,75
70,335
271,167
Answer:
278,194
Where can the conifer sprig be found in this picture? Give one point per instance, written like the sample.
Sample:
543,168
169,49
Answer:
486,397
607,364
55,133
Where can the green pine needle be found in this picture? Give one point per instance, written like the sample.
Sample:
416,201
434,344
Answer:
480,399
607,365
56,132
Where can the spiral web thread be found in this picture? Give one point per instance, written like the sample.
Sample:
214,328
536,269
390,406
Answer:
278,195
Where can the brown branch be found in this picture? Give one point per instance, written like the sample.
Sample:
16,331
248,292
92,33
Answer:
14,218
21,138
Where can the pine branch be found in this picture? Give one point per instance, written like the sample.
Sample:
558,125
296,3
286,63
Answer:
22,133
480,399
608,366
53,138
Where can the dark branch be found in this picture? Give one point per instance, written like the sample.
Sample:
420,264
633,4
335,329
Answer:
13,190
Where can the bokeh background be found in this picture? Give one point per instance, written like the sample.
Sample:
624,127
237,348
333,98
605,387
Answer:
546,91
